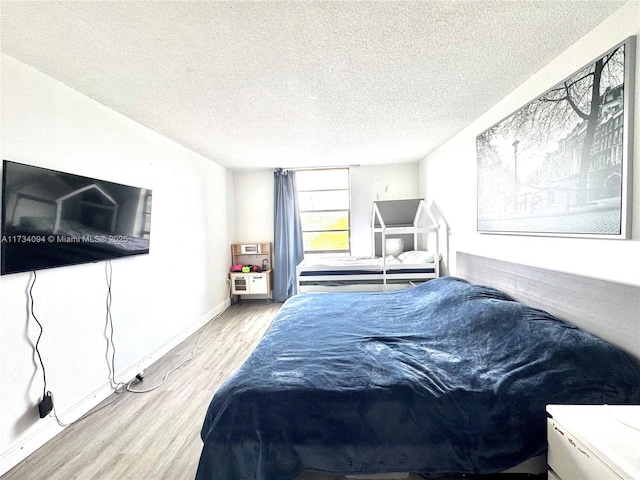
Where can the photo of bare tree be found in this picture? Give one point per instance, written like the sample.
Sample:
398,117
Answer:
559,165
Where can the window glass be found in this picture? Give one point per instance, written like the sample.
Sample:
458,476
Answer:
327,179
321,221
323,242
323,198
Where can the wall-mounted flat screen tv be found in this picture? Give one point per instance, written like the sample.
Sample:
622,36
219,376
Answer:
52,219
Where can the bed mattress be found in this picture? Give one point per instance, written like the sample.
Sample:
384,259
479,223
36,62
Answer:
446,377
324,271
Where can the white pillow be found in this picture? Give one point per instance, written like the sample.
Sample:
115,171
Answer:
416,256
394,246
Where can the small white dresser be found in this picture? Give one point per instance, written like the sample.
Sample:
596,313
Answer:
593,442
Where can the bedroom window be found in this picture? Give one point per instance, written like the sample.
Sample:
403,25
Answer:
323,196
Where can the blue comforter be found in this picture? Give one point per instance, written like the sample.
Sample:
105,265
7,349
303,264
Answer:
440,378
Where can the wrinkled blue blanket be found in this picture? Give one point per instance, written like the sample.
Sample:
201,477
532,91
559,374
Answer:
440,378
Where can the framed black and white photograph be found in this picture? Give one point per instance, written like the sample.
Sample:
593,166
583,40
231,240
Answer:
561,165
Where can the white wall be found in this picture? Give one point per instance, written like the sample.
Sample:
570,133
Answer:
448,176
253,197
377,182
254,200
157,299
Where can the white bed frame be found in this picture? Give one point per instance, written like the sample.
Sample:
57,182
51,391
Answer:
380,275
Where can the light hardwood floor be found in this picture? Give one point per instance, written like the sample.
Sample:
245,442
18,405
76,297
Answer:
155,435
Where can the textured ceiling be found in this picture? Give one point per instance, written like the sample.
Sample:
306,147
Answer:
261,84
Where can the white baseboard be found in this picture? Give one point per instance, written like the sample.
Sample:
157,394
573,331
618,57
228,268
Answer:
33,439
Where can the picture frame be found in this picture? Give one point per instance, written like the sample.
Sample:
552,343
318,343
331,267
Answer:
562,164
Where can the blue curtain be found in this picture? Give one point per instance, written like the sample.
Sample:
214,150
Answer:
287,237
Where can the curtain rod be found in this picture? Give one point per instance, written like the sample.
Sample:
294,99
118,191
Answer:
320,168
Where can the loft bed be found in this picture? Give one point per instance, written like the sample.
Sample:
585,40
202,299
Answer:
397,228
449,377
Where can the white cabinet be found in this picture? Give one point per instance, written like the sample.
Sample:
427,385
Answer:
258,283
593,442
250,283
253,256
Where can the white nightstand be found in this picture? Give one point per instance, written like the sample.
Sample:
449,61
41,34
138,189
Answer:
596,442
